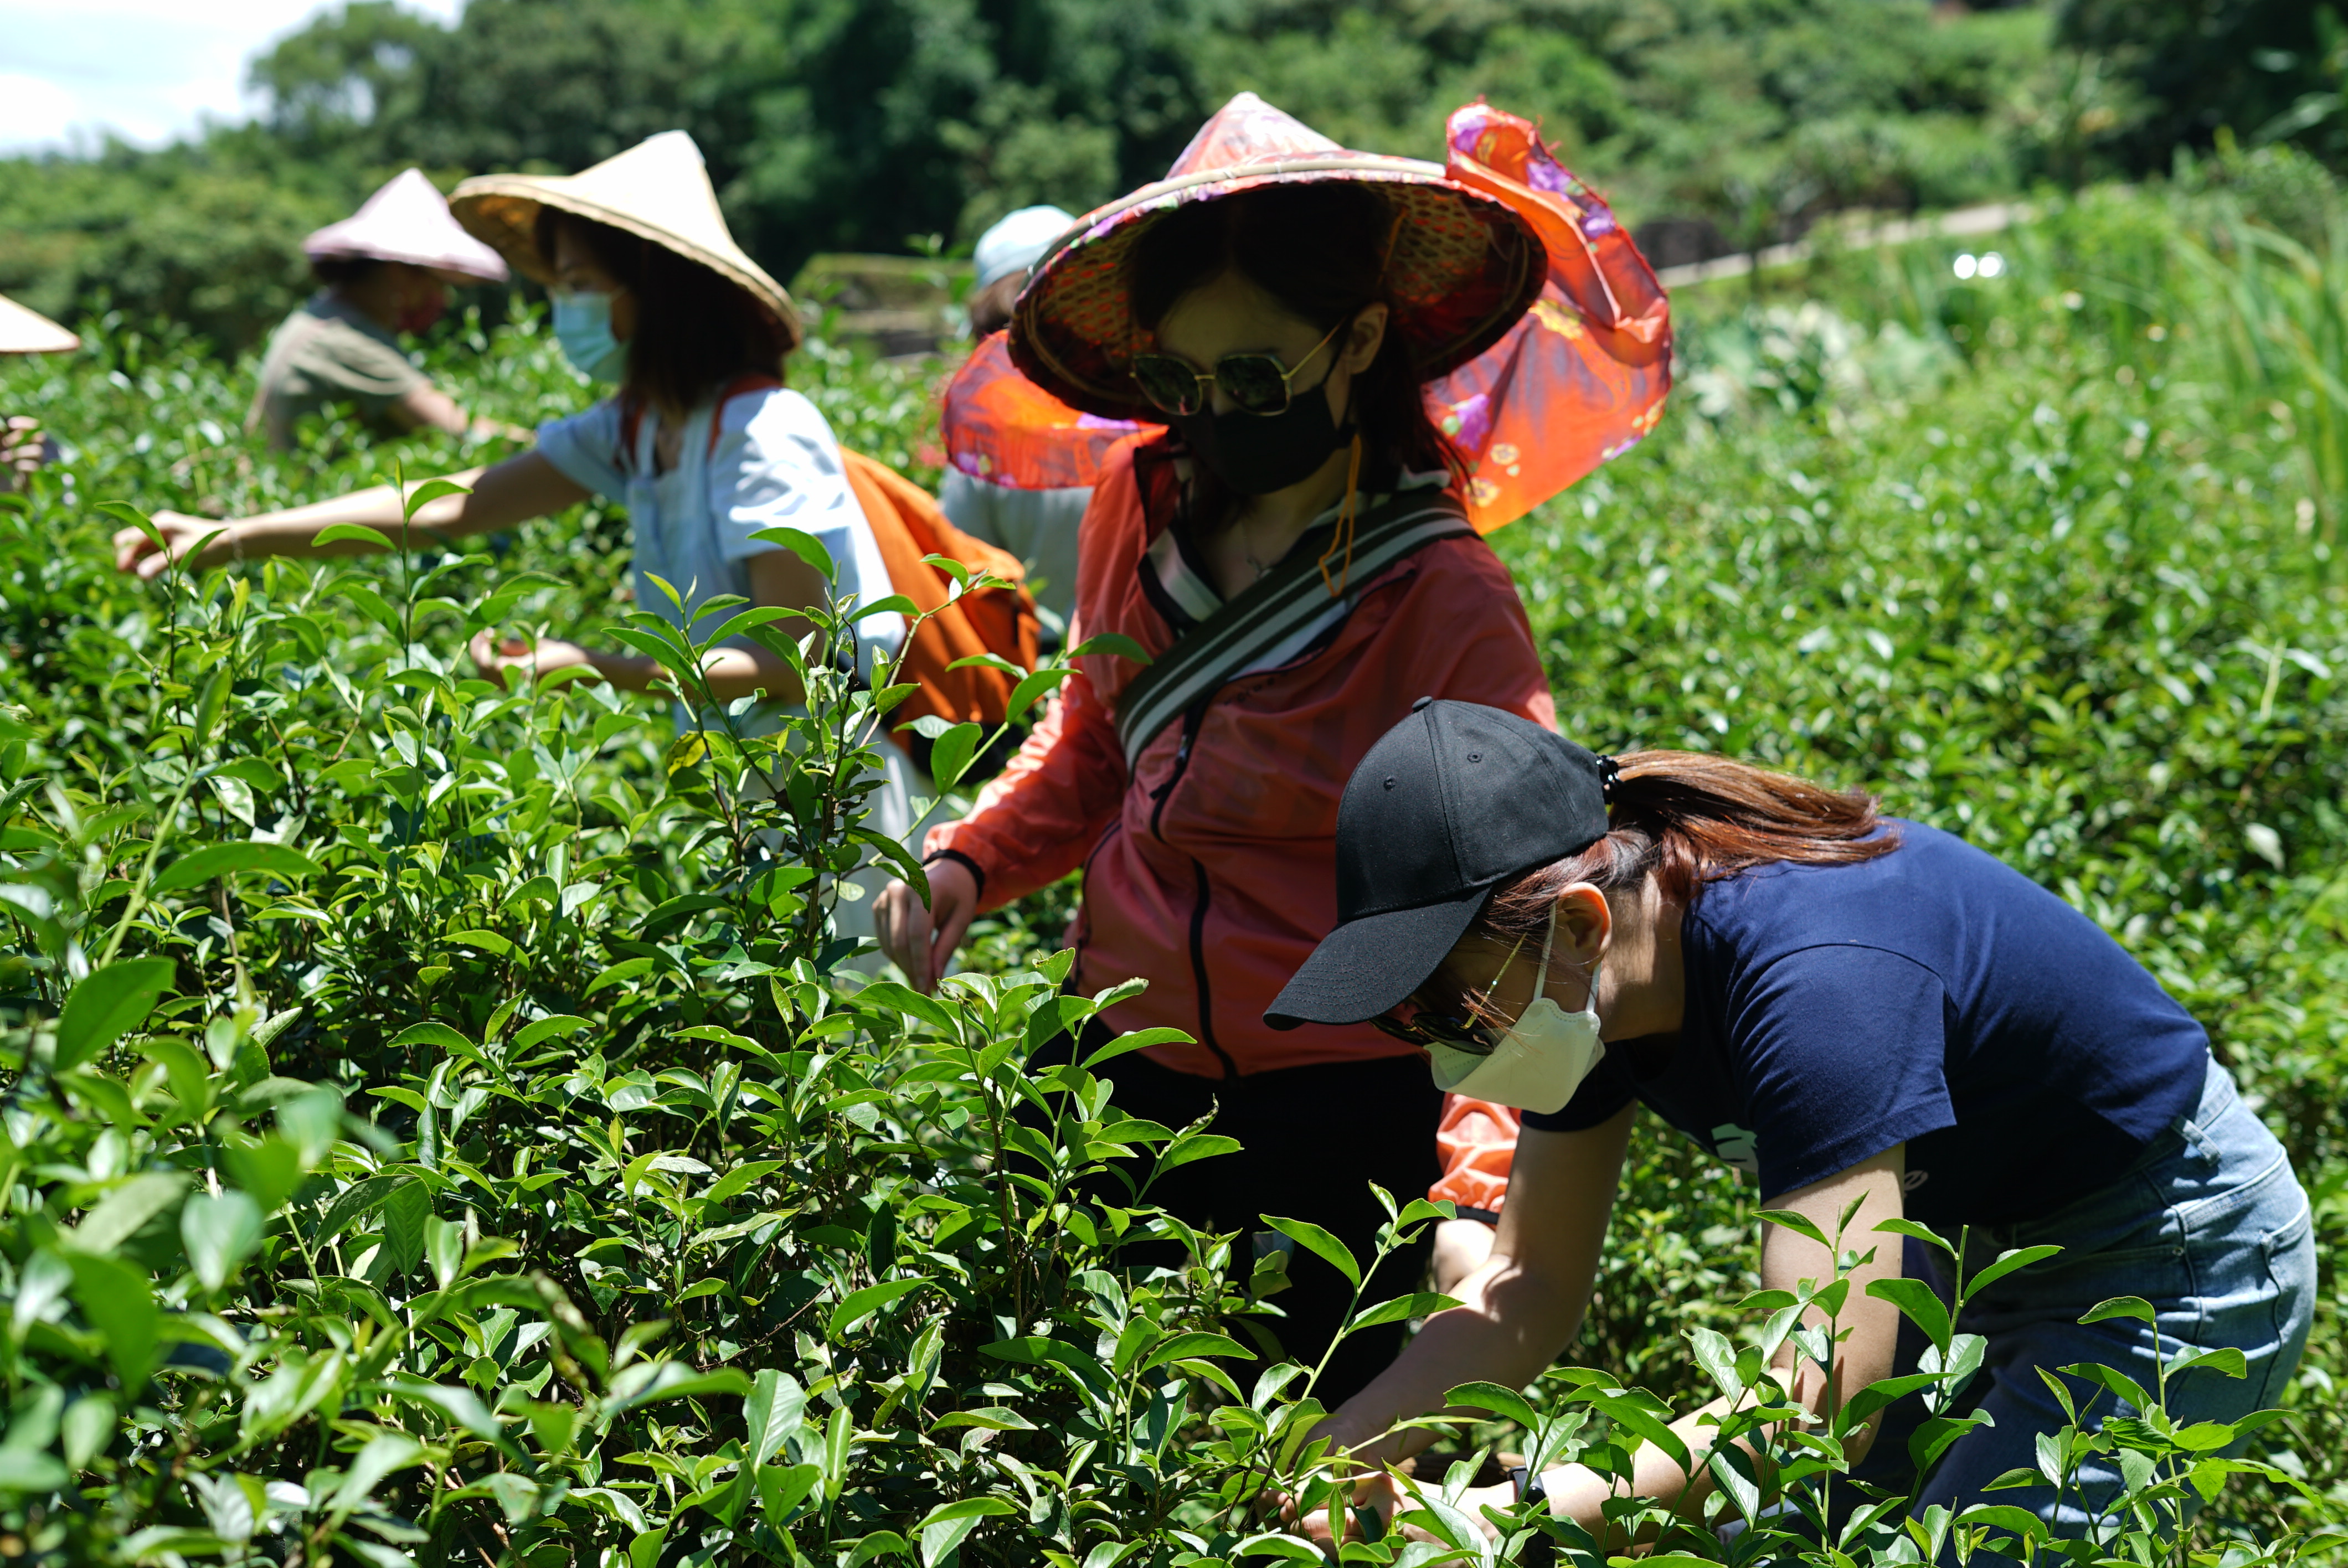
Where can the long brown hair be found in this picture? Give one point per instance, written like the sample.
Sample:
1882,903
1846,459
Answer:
1688,818
696,331
1321,251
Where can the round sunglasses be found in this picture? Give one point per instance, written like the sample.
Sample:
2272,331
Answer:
1255,382
1424,1028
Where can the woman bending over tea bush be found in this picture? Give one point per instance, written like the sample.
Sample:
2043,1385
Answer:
1856,1011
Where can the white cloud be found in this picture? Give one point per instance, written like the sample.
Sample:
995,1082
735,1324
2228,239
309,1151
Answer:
148,70
31,109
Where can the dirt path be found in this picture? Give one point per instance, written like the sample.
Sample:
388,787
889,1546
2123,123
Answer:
1965,220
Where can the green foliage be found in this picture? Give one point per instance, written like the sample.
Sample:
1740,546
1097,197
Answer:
437,1127
208,236
2264,69
434,1132
873,125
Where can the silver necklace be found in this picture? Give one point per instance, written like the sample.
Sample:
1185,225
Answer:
1246,550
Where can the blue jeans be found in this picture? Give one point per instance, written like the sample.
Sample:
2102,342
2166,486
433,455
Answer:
2208,1225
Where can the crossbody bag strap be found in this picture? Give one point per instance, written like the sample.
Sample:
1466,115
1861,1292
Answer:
1274,607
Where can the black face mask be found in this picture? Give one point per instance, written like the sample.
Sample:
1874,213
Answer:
1256,454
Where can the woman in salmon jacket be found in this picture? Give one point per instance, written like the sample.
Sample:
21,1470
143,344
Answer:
1361,362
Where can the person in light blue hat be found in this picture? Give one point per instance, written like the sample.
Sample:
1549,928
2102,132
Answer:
1039,527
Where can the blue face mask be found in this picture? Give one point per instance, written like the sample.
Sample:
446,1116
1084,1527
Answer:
583,325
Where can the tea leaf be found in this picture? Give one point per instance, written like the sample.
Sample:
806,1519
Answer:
107,1004
218,860
1313,1239
220,1232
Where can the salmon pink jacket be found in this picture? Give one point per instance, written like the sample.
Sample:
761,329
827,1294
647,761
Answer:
1211,871
1477,1142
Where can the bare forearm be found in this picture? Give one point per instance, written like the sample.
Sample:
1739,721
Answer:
522,487
730,673
429,407
293,532
1511,1323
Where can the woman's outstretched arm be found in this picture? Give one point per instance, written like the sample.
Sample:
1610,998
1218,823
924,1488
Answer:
777,578
1516,1311
1470,1351
522,487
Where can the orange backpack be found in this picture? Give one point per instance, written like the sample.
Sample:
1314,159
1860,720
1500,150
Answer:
908,524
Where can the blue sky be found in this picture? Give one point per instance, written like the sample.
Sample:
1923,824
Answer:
147,69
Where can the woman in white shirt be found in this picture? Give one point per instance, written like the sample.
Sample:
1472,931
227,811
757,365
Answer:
701,441
650,291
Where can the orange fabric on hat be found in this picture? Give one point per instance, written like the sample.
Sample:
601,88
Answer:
1582,377
1214,874
1478,1142
1577,379
999,427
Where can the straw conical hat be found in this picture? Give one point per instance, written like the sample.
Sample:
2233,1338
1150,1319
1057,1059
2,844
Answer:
30,332
407,220
658,189
1464,268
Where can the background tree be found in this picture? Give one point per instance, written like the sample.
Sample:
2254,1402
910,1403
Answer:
871,125
2260,68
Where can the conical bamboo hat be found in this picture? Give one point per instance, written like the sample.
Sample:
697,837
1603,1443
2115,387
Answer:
407,220
1464,268
30,332
658,189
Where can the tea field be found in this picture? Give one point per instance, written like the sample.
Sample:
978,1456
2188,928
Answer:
433,1135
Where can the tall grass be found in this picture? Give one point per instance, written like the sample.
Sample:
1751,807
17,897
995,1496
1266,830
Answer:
2282,340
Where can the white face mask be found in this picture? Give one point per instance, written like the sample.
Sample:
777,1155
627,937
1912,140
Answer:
1542,1058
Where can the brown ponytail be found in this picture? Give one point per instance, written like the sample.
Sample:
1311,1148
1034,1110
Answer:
1691,818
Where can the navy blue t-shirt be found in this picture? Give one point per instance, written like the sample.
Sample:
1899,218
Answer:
1932,995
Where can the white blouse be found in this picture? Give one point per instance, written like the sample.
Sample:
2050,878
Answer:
774,464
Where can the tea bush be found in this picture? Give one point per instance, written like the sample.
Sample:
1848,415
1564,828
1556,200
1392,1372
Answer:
435,1134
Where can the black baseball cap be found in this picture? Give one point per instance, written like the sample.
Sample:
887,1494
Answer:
1451,803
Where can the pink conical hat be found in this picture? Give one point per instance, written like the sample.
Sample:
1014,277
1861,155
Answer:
1541,333
407,220
1249,131
1463,268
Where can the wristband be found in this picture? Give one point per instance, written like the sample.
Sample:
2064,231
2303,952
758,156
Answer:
1541,1552
977,872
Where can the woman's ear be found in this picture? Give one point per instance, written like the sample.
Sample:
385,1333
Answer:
1584,924
623,314
1365,338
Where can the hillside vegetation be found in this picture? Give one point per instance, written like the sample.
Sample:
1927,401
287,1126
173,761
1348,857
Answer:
887,125
433,1135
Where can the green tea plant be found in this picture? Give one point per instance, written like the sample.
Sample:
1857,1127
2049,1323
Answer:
601,1218
1776,1466
434,1133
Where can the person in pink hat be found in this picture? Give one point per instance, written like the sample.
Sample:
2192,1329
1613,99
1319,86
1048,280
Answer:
1338,369
384,271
